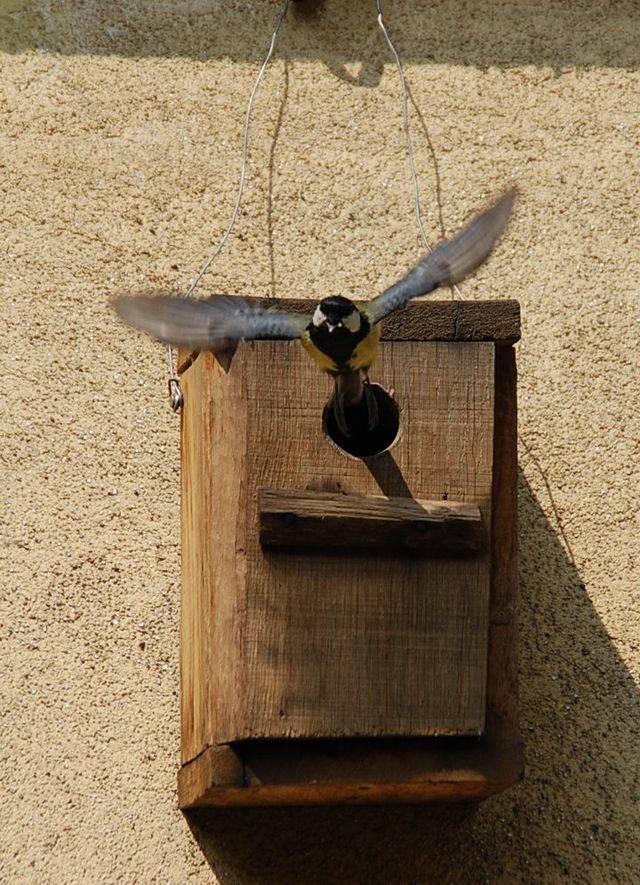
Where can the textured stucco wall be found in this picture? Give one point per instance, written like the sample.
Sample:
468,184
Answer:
120,129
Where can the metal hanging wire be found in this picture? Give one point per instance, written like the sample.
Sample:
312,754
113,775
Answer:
457,292
407,134
175,394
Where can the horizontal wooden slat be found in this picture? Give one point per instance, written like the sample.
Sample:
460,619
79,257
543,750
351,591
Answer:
450,320
324,520
354,771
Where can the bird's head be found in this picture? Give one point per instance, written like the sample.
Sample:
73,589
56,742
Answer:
337,312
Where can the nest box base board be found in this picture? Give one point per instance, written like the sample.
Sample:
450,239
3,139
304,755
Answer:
348,772
410,769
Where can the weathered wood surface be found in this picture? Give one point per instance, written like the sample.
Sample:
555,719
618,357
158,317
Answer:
497,321
322,520
292,645
350,771
502,689
219,768
212,506
421,770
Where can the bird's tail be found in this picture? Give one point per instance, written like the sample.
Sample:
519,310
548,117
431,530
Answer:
351,388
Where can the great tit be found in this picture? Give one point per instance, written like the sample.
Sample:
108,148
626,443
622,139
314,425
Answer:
341,335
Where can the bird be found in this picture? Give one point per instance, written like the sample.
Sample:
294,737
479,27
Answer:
341,335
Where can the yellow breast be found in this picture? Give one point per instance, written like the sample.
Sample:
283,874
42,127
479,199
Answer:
367,350
362,357
324,362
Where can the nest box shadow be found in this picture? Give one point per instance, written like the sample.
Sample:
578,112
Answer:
580,712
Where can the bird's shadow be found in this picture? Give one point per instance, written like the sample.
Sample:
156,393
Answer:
384,469
580,714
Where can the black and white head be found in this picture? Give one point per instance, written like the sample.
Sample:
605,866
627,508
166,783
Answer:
337,312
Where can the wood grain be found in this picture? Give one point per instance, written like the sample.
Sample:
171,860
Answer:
497,321
300,646
212,524
502,691
220,768
353,771
278,772
322,520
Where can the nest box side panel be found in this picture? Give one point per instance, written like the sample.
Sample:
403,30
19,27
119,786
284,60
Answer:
330,644
503,723
213,476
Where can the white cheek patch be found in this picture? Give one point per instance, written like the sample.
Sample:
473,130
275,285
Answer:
352,322
318,317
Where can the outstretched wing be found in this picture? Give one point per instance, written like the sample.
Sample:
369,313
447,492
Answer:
210,324
450,261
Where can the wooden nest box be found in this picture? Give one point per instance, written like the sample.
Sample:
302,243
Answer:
348,623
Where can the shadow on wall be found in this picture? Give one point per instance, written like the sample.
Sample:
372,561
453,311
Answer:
580,718
479,33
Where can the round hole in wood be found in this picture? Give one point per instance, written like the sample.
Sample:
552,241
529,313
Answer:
363,442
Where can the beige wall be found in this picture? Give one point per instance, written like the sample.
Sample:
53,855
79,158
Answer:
120,134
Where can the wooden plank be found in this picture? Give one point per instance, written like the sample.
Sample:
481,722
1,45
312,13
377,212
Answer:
354,772
349,645
502,691
357,645
195,438
497,321
211,486
322,520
